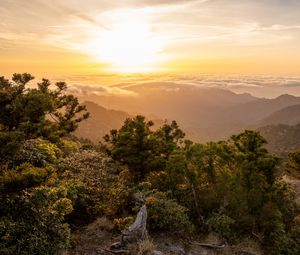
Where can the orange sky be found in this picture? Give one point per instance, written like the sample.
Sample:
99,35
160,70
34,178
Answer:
198,36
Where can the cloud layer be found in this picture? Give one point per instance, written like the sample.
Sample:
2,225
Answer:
259,86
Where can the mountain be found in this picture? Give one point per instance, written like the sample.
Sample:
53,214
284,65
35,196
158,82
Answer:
101,121
289,115
281,138
199,111
252,113
204,113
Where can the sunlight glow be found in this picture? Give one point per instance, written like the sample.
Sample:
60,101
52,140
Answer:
128,46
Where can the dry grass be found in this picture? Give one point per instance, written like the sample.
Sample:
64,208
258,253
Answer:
146,247
96,235
246,247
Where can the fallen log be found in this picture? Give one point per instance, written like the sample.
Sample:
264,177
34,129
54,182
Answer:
117,251
208,245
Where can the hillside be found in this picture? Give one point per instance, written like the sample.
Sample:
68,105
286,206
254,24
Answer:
206,107
281,138
204,113
251,113
289,115
101,121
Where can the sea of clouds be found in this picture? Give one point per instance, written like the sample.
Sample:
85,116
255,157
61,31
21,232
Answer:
259,85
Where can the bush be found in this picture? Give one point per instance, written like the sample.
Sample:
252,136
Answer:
32,211
31,222
38,152
167,215
25,176
122,223
221,225
106,183
68,146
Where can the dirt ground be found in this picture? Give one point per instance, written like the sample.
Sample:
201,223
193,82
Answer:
97,238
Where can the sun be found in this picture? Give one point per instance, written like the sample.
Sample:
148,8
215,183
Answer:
127,46
130,46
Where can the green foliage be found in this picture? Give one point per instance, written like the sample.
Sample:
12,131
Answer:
33,223
237,180
222,225
142,149
131,145
293,164
38,152
166,214
122,223
106,183
68,146
25,176
33,201
32,212
12,142
28,113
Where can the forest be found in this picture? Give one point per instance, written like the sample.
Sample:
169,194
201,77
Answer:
53,183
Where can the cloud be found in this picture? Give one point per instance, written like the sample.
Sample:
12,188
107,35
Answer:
279,27
100,90
259,85
196,30
292,83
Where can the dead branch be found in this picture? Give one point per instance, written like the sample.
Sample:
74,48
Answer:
208,245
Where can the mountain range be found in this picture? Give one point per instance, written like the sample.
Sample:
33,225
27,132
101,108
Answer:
203,113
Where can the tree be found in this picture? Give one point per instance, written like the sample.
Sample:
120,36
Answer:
294,161
27,113
33,201
142,149
32,211
167,138
131,145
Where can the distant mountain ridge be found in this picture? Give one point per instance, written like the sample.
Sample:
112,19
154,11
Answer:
101,121
281,138
289,115
255,111
203,113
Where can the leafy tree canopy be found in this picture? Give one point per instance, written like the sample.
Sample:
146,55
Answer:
27,113
142,149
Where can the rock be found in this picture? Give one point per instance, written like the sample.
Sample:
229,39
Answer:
116,246
102,252
175,249
136,231
157,253
171,248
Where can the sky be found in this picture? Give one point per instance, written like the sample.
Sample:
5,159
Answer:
93,37
245,46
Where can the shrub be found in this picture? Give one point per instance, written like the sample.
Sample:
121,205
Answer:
122,223
31,222
25,176
166,214
221,225
106,183
38,152
68,146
